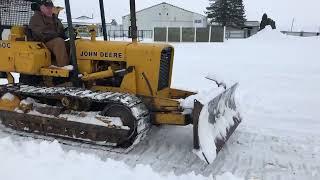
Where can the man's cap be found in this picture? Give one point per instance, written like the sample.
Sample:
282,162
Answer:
47,3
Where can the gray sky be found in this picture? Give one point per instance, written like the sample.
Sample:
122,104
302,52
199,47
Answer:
305,12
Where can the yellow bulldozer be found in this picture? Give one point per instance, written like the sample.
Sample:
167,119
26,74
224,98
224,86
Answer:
113,94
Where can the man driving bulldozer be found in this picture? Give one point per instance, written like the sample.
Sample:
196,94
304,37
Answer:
47,28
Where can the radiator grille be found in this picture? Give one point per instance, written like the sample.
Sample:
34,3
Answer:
165,67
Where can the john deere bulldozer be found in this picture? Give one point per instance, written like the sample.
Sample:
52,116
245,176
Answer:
113,94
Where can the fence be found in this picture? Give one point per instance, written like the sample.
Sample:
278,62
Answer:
142,34
189,34
236,34
302,34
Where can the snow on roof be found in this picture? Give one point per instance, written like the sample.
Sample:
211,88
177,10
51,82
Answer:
83,21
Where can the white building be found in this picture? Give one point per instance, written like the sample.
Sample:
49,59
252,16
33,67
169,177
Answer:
165,15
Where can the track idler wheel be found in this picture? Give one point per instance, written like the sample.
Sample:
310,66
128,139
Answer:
127,118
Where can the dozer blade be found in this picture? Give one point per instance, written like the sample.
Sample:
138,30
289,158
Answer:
214,123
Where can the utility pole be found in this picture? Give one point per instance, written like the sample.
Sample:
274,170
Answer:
292,24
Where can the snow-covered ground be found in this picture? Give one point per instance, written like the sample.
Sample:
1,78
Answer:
36,161
278,138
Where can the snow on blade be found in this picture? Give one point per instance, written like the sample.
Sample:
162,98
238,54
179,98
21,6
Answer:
215,125
209,132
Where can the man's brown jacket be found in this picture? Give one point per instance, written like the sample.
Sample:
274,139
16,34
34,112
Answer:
45,28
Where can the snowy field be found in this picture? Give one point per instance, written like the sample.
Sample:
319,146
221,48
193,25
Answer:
278,138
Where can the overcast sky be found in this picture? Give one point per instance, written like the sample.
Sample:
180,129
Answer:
305,12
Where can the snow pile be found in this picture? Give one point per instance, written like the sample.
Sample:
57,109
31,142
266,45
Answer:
276,73
269,34
48,161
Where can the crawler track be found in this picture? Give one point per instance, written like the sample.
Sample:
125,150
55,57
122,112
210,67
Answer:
43,125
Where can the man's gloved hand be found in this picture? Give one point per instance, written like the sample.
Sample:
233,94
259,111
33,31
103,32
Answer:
63,35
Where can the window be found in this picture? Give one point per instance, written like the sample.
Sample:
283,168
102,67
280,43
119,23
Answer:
198,21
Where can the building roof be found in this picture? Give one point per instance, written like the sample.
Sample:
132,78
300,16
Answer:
83,20
164,3
84,17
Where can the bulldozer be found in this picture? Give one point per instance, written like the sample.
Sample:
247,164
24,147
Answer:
111,97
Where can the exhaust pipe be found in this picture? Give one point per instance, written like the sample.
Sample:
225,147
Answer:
133,29
103,20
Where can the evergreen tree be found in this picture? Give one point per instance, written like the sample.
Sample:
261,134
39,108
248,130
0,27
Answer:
227,12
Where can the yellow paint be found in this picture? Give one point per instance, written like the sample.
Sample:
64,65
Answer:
9,104
100,60
98,75
100,50
93,32
17,32
170,118
165,104
24,57
54,72
86,66
129,82
146,59
179,94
